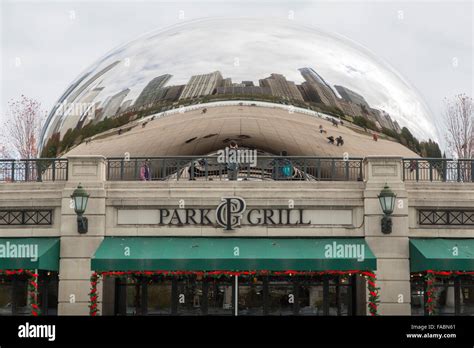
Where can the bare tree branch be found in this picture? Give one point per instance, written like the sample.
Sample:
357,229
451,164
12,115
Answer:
22,128
459,126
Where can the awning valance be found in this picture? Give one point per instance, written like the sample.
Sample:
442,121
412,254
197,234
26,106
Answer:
441,254
206,254
29,253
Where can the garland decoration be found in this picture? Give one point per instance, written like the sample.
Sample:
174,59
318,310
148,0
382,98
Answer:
430,304
93,296
33,293
374,297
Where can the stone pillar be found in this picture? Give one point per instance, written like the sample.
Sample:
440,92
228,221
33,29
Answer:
77,249
391,250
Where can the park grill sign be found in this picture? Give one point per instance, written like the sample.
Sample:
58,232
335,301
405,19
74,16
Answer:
233,212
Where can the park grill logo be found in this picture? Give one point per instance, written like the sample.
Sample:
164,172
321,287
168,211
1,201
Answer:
232,212
229,212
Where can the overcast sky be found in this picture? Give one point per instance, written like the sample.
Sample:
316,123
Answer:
47,44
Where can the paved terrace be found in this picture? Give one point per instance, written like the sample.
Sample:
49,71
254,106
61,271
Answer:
269,129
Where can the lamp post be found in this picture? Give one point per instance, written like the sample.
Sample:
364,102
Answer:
80,197
387,202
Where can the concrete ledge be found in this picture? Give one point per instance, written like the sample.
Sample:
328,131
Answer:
394,309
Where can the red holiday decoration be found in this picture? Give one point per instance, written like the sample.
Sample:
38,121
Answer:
93,297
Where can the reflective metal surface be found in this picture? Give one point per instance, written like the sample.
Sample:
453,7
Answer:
233,59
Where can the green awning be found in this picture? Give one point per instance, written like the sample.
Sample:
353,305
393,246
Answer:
29,253
237,254
440,254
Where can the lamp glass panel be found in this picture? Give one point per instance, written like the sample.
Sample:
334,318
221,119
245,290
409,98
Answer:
80,204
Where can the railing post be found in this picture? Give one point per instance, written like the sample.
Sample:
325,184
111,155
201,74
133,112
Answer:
26,171
445,169
458,170
39,176
13,171
54,170
318,163
431,171
136,175
361,173
333,169
403,170
107,163
417,172
305,168
347,168
121,169
472,170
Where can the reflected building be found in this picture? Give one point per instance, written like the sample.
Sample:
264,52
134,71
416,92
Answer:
281,88
114,103
202,85
316,89
172,93
349,108
70,96
77,112
153,91
351,96
244,90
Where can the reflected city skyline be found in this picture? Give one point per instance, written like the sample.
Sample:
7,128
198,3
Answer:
133,82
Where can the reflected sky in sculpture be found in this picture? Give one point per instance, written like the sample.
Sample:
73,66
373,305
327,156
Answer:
244,50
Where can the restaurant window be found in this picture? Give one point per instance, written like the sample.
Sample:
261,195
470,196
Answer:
5,296
311,297
14,299
281,299
444,296
466,301
129,291
189,297
220,296
453,296
278,296
159,297
418,290
251,297
340,296
48,292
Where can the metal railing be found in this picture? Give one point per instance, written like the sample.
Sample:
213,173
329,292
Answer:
438,169
29,170
209,168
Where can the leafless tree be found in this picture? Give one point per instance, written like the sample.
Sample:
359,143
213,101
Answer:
459,126
21,130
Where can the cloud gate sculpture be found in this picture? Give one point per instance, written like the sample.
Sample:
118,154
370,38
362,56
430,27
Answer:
192,88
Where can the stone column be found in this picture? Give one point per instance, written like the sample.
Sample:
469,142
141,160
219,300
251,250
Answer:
77,249
391,250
